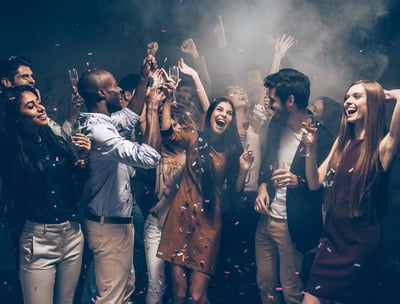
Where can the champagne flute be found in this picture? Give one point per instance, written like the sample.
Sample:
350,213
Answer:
73,78
173,73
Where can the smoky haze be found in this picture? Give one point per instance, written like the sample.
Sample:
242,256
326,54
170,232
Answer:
336,45
338,41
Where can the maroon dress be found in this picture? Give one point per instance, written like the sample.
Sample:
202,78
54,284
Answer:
346,265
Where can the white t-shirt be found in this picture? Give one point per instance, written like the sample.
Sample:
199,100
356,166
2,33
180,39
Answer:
287,149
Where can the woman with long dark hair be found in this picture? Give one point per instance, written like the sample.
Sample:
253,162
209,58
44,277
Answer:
43,175
191,234
355,177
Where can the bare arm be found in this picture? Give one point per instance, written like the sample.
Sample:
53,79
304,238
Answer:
152,135
201,92
281,46
189,47
315,175
390,145
137,102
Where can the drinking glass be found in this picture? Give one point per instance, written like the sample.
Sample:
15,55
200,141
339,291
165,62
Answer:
73,78
174,73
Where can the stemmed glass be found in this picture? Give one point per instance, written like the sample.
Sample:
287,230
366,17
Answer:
173,73
73,78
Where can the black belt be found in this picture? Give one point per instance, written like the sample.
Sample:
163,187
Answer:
108,219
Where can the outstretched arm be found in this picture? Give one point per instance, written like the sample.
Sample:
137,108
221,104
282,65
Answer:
389,147
137,102
315,175
201,92
189,47
281,46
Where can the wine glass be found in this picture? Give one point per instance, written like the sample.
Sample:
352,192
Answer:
73,78
173,73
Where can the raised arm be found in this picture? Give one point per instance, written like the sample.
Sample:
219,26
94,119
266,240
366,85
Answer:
389,147
201,92
281,46
189,47
315,175
137,102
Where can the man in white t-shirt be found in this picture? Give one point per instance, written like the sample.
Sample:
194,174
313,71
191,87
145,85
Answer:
291,219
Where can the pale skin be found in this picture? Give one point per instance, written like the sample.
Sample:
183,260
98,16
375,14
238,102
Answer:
355,106
201,92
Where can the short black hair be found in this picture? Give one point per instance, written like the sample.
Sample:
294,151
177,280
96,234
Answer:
9,67
129,82
290,82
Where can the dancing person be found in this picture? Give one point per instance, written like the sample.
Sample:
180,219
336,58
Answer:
108,195
52,175
168,176
191,234
290,219
355,179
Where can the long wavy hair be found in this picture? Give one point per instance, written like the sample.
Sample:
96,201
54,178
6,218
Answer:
19,164
366,171
228,143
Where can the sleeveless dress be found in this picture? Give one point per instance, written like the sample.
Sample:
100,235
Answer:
191,233
345,268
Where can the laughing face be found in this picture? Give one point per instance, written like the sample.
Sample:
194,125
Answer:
355,104
221,117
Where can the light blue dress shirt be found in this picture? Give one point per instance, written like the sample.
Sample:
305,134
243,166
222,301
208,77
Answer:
108,190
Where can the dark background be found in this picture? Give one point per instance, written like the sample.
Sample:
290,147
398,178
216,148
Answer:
339,42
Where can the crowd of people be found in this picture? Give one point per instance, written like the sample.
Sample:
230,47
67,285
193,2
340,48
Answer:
247,192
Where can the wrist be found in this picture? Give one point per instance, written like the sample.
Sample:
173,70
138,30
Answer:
195,55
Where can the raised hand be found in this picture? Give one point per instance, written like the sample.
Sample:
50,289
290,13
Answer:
152,48
148,66
309,134
185,69
189,47
283,44
155,98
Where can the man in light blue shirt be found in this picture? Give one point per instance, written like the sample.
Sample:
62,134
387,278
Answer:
108,195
